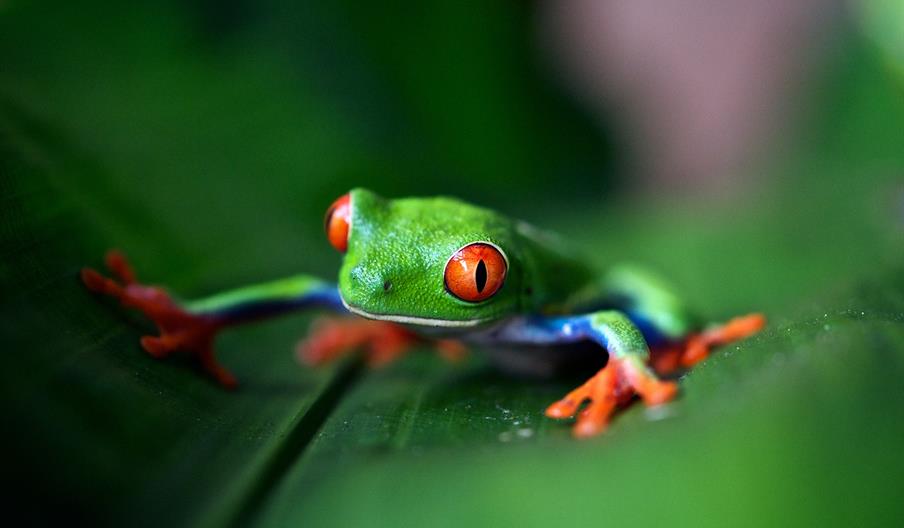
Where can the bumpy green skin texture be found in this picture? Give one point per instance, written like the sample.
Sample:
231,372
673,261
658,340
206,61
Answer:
409,241
623,338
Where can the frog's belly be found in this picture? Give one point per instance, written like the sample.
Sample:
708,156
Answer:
547,361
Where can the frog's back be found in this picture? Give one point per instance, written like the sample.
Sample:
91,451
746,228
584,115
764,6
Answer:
554,274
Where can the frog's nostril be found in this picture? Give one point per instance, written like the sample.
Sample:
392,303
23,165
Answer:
368,281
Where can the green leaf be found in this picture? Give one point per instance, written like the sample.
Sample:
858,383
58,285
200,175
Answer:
208,155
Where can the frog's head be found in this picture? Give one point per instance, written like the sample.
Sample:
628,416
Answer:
424,261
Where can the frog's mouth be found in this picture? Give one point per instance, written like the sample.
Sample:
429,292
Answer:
412,320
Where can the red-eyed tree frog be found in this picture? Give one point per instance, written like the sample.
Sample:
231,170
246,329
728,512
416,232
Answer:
447,272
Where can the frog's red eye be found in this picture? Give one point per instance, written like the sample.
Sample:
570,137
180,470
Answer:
475,272
337,221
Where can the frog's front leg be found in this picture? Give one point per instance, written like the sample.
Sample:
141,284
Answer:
193,326
626,372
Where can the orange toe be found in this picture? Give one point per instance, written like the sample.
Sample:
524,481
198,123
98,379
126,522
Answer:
735,329
118,264
660,392
595,418
97,283
155,346
612,386
562,409
697,349
593,421
568,406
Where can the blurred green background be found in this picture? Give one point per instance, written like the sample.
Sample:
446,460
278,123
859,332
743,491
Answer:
206,139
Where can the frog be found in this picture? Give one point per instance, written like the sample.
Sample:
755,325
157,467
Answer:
440,271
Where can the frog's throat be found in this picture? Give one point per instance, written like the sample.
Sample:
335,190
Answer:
407,319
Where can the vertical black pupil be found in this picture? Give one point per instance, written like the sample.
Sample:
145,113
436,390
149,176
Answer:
480,275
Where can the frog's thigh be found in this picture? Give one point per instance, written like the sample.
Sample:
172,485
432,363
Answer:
650,303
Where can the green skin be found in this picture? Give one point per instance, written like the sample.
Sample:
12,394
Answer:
393,271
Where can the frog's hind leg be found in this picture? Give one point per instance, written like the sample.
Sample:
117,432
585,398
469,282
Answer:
699,345
381,341
671,357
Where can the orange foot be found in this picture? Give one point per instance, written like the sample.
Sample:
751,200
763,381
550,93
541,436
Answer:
697,347
381,341
616,384
179,330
